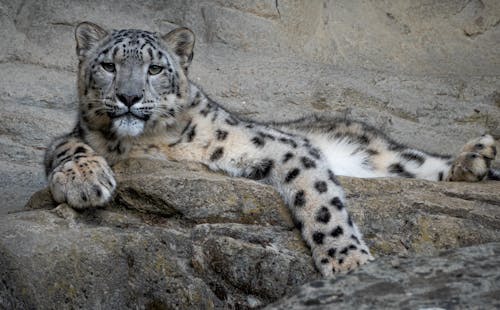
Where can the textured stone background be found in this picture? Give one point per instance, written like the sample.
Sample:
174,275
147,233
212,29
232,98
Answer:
426,71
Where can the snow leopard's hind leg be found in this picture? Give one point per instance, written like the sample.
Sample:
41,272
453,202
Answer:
377,155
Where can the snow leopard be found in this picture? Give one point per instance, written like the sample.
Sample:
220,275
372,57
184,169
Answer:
135,96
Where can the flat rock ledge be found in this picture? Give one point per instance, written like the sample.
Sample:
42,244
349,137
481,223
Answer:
177,236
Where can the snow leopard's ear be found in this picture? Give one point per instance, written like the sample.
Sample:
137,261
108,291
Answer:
181,41
87,35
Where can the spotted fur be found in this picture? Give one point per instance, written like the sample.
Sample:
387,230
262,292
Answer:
135,96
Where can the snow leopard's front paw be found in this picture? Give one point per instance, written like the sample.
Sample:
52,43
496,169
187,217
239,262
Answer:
341,256
473,162
83,182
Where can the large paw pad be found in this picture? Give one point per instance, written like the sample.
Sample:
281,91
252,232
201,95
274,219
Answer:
83,182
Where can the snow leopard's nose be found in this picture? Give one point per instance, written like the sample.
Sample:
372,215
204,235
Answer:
129,100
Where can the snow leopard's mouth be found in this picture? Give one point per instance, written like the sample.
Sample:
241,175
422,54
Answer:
128,125
129,114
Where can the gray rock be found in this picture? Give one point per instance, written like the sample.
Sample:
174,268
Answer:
25,130
160,187
425,71
412,216
465,278
219,242
178,236
79,262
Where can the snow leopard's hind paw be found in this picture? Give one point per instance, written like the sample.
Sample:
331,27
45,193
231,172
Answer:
474,161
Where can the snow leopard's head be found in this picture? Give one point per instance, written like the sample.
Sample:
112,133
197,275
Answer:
129,81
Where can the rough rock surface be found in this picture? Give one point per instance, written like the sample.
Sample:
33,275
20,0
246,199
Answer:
196,239
465,278
427,72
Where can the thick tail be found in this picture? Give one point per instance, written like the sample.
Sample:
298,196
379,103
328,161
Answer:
493,174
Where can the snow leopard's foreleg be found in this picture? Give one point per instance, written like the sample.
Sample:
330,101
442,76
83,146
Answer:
76,174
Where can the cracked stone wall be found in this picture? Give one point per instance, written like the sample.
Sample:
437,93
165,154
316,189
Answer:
425,71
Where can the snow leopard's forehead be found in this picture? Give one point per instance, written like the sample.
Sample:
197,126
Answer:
134,36
129,44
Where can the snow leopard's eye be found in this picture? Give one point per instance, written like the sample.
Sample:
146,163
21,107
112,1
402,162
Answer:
108,66
479,146
154,69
